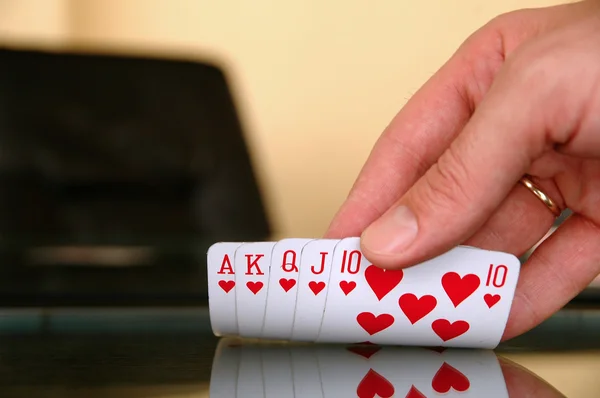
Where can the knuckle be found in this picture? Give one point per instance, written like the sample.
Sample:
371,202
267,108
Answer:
527,68
542,73
502,21
496,26
535,61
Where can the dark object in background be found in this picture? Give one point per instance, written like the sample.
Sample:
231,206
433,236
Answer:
116,174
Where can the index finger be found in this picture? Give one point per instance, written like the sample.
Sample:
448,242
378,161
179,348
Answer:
417,136
436,114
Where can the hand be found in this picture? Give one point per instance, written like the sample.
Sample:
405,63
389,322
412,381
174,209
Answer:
521,96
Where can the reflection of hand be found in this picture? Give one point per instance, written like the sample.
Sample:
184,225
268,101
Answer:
522,95
521,383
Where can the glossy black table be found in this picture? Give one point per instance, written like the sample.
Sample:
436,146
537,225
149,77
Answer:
169,353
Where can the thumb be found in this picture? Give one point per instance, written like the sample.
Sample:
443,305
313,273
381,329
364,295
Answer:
470,180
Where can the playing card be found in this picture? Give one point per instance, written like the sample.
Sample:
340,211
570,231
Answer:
461,298
315,269
221,288
252,262
282,289
224,373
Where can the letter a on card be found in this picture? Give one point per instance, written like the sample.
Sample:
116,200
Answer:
222,288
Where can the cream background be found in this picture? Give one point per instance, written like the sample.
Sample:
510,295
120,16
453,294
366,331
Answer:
316,81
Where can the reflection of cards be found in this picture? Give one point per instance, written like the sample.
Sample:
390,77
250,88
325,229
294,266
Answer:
327,291
357,371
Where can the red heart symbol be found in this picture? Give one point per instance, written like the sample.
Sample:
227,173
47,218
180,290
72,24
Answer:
365,352
374,324
347,287
459,289
374,384
316,287
448,377
414,393
448,331
226,285
287,284
382,281
491,300
415,309
254,286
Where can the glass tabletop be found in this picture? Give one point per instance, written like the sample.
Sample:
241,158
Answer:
172,353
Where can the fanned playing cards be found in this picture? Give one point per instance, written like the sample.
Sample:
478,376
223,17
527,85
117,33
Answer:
326,291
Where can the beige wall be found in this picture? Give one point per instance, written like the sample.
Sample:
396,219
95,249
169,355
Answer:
317,81
39,21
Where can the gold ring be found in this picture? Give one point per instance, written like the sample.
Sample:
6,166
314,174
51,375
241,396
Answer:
550,204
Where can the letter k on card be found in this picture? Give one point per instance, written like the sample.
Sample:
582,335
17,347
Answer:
253,260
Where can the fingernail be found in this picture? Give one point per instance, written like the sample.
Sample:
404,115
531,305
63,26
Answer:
392,233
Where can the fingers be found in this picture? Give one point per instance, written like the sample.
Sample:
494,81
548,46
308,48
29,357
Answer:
469,181
518,224
418,135
434,116
561,267
407,147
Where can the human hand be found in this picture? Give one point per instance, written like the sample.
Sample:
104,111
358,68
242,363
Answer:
521,96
